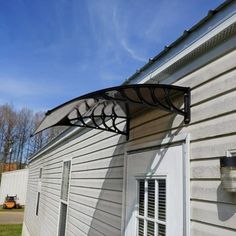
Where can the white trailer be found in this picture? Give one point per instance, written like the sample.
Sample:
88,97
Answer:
14,183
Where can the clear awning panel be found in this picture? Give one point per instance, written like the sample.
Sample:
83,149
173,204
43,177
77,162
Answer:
97,109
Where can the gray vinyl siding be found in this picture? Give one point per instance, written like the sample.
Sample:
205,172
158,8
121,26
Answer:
95,198
213,132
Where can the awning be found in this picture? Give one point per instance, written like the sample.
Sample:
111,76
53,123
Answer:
106,108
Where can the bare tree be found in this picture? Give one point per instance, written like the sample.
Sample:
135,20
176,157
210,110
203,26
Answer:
8,121
2,125
16,128
37,141
22,134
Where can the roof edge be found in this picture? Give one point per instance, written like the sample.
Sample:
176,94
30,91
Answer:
185,35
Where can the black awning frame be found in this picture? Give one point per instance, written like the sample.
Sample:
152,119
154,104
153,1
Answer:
117,99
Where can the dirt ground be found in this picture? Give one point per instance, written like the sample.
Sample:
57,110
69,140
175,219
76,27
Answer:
11,217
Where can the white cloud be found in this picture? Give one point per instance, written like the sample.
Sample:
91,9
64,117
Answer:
108,33
122,31
33,94
168,14
132,52
23,88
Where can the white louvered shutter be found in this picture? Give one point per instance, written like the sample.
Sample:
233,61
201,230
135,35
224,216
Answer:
151,215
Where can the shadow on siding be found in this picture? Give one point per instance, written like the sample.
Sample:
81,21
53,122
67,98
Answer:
225,211
105,221
120,149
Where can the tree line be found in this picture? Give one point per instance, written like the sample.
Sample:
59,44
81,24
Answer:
16,128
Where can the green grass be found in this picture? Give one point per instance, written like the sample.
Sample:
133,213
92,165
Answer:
10,230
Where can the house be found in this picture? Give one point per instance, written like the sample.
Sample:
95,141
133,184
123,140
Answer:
14,183
144,161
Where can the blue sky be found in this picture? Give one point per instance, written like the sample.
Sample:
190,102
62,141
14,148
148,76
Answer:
54,50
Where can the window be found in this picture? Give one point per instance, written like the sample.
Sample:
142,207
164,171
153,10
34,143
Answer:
64,197
37,205
62,222
39,190
65,180
40,173
151,214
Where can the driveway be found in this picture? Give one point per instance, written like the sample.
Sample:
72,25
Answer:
11,217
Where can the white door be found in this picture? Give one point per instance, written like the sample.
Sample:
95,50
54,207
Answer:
154,192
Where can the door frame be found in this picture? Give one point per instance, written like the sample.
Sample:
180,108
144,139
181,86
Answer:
181,138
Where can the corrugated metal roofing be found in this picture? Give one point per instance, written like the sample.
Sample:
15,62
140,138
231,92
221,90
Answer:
185,34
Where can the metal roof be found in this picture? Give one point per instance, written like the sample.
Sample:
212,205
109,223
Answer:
185,35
